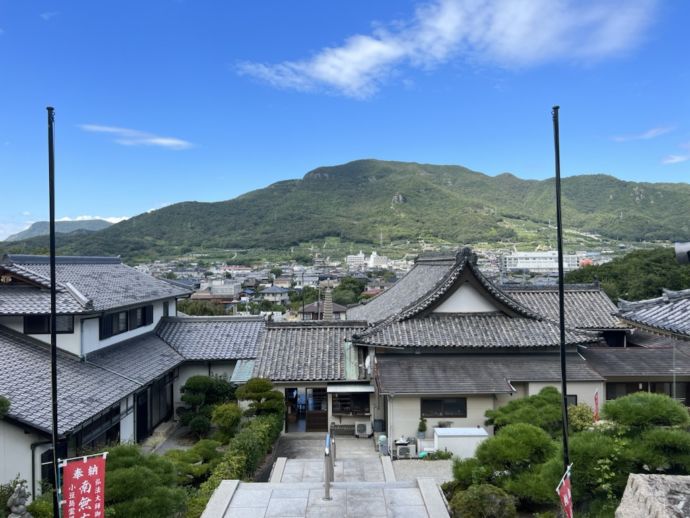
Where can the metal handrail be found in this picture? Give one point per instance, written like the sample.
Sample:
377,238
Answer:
328,465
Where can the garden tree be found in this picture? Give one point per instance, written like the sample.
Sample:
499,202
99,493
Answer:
643,410
638,275
515,448
665,450
276,272
483,501
348,291
543,410
200,308
310,295
141,485
193,466
580,417
4,406
201,394
227,418
264,400
170,275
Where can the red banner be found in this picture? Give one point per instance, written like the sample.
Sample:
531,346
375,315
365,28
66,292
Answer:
596,406
83,487
564,494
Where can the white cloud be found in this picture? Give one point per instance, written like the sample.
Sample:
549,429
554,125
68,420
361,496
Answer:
130,137
508,33
48,15
675,159
109,219
645,135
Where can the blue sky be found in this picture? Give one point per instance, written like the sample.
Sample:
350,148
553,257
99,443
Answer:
166,101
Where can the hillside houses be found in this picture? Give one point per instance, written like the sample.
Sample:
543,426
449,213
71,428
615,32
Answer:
444,343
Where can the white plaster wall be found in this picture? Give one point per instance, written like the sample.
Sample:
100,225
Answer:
466,299
404,414
15,453
68,342
127,422
504,399
584,390
223,369
91,331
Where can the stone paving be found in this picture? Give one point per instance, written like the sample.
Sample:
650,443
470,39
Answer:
439,470
359,490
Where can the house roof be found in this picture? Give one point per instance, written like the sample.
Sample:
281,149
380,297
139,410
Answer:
472,374
83,389
143,359
637,362
586,306
668,314
481,330
304,351
508,324
94,283
314,307
213,338
425,274
275,289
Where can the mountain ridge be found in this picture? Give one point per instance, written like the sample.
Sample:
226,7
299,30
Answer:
367,200
41,228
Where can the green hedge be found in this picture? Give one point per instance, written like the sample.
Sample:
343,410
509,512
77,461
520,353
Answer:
243,456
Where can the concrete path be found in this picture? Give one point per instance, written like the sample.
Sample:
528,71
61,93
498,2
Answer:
348,500
439,470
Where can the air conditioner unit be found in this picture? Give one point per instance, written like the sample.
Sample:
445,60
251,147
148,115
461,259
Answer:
363,429
405,451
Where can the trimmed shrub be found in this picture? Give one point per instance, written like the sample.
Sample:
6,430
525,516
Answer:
264,400
542,410
4,407
665,449
141,485
227,418
467,472
200,425
483,501
580,417
515,448
643,410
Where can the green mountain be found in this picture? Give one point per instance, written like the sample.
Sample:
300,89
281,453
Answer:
366,200
41,228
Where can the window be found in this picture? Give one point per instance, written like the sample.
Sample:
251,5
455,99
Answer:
166,309
450,407
40,324
115,323
571,399
351,404
140,317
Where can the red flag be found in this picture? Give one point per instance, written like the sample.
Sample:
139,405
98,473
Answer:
83,487
565,495
596,406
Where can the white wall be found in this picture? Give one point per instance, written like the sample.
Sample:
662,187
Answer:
404,413
584,390
15,454
69,342
466,299
91,330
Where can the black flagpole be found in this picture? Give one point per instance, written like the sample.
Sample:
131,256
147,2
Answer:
561,289
53,309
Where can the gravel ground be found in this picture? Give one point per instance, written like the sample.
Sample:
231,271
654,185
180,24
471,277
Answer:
441,470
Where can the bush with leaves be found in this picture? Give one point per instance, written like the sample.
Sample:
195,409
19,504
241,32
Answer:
227,418
201,394
643,410
243,455
470,471
515,448
42,507
580,417
666,450
194,465
483,501
543,410
263,399
141,485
